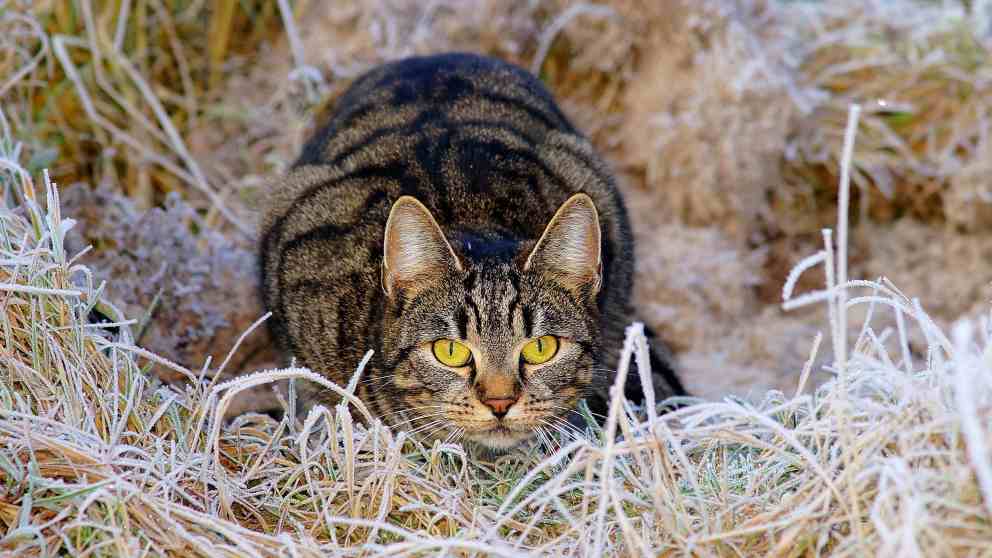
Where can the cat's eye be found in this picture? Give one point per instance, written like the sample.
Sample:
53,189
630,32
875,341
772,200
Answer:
540,350
451,353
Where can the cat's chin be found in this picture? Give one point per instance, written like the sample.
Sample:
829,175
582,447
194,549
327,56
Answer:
499,438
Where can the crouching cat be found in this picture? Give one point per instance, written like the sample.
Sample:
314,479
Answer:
450,217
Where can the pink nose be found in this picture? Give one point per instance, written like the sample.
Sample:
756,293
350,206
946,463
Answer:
500,406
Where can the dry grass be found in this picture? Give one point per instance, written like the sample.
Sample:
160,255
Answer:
923,75
108,90
890,456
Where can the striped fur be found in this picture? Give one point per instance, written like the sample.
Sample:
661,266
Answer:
482,145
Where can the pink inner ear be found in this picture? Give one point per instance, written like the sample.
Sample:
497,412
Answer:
415,248
569,249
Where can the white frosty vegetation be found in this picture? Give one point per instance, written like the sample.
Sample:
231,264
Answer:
891,457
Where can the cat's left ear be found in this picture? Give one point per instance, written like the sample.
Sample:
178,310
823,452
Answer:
569,251
415,251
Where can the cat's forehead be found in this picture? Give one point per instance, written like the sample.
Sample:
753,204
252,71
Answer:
492,307
488,251
491,280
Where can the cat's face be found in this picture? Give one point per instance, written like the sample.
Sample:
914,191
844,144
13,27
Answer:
488,342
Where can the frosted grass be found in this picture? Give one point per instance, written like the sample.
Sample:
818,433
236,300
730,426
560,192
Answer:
889,457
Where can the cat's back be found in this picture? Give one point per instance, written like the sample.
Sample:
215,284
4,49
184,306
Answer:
427,94
477,140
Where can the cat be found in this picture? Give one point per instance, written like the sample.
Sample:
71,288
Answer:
450,217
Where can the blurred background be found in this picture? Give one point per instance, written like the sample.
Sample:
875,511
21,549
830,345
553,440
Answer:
162,121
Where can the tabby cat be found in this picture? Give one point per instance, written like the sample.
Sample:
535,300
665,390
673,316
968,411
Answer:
450,217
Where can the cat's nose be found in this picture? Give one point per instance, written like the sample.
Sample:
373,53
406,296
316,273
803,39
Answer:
499,406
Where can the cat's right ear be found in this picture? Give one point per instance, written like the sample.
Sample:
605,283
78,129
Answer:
415,251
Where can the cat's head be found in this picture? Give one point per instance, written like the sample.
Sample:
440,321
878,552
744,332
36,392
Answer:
488,339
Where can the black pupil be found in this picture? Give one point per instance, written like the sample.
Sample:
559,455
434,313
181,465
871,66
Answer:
540,346
451,349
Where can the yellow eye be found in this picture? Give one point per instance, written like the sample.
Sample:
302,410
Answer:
540,350
451,353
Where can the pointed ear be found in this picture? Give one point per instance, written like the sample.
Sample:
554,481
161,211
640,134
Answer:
569,249
414,248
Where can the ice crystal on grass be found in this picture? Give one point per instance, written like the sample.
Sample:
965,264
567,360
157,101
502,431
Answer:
192,289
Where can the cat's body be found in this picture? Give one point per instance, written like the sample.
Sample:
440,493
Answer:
484,148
